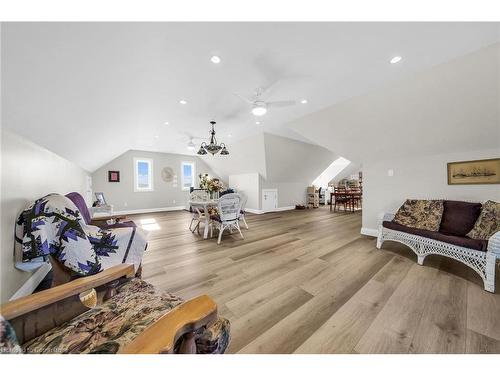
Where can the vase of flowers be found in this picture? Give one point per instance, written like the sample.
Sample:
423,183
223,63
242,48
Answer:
212,185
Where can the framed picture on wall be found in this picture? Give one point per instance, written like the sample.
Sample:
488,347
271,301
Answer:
113,176
474,172
100,199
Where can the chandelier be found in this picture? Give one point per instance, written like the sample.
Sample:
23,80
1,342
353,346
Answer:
213,147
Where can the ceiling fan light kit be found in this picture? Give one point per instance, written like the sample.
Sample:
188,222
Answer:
259,109
212,147
260,106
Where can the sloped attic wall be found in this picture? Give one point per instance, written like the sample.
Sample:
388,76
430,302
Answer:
245,156
351,169
282,163
451,107
414,127
292,166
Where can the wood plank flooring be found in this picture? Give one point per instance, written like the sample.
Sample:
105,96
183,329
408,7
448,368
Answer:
308,282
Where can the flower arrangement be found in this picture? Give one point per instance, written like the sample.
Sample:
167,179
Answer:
210,184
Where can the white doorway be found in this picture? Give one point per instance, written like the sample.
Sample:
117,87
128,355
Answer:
269,199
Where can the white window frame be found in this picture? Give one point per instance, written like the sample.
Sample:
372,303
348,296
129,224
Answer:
193,168
138,189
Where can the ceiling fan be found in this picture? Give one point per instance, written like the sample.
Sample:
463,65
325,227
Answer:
260,106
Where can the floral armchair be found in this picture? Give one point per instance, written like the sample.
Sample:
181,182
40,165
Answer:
130,316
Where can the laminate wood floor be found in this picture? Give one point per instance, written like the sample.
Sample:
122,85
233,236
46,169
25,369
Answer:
308,282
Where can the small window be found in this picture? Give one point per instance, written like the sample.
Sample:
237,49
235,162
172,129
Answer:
143,175
187,170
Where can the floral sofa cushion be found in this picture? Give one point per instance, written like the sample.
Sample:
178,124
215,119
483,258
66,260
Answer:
420,214
113,324
488,222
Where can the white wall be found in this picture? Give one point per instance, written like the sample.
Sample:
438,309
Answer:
292,166
245,156
248,183
280,163
28,172
418,177
121,194
415,126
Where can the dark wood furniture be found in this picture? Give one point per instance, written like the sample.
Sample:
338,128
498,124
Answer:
350,199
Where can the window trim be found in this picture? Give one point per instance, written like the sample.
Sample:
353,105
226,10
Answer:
137,189
193,168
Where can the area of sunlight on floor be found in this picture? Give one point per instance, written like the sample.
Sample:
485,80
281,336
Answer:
149,224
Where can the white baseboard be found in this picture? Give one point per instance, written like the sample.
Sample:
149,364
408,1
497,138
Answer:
259,212
286,208
369,232
149,210
254,211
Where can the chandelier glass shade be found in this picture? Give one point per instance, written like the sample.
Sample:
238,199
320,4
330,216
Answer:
213,147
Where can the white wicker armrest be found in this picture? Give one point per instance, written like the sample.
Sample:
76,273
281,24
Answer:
494,244
385,217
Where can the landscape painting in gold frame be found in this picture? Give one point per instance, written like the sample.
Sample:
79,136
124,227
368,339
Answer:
473,172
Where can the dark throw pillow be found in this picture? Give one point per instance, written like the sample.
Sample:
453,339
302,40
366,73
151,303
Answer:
420,214
459,217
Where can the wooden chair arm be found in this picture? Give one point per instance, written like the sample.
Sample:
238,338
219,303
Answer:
24,305
161,336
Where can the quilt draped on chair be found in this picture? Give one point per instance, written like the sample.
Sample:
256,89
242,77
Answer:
52,225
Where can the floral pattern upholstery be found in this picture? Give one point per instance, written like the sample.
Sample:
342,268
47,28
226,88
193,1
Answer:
488,222
115,323
8,339
420,214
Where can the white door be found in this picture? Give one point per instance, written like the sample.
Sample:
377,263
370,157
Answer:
269,199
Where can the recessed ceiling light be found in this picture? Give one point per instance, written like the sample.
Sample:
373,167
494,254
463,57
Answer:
215,59
229,135
182,101
304,101
396,59
257,122
156,136
165,123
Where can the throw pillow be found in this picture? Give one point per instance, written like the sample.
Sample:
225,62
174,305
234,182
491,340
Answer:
420,214
459,217
488,222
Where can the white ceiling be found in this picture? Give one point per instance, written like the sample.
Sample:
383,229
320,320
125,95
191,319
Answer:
91,91
450,108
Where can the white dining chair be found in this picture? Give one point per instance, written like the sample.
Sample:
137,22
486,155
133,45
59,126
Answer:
244,199
229,208
197,215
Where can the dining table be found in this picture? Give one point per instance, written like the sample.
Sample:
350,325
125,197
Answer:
203,206
352,195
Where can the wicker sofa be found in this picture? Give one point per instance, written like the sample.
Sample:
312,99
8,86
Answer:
450,241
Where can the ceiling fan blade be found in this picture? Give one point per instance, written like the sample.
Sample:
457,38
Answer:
283,103
243,98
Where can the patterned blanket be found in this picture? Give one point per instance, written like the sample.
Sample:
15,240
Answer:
52,225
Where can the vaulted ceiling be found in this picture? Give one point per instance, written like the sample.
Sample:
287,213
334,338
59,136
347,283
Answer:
453,107
91,91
